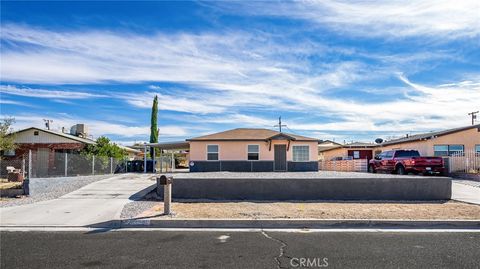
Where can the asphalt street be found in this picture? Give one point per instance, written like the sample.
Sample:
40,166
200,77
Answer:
220,249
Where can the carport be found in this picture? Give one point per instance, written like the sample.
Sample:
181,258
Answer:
166,149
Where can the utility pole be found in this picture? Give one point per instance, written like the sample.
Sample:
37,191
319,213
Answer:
47,123
280,125
474,116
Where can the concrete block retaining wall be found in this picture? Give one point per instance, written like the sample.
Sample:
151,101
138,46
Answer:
398,188
248,166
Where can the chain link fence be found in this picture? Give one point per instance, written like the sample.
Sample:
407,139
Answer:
41,164
19,164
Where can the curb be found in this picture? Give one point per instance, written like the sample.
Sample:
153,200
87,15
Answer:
290,224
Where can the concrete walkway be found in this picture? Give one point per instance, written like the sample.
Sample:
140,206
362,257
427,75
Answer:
468,193
95,203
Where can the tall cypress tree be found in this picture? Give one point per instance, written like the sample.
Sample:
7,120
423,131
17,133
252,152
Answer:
153,125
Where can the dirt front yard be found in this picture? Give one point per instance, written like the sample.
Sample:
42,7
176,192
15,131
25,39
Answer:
407,210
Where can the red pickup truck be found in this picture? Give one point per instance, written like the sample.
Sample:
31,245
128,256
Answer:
405,161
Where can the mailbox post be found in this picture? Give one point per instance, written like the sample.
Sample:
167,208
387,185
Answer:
166,182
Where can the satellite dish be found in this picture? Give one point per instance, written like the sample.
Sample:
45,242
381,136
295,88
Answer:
379,140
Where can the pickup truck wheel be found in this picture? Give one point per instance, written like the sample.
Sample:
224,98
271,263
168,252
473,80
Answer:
371,169
400,170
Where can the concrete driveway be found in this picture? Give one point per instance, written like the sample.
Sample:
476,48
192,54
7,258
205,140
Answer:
97,202
466,191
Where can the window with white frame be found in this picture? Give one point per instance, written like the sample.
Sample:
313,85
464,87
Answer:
212,152
301,153
477,149
253,152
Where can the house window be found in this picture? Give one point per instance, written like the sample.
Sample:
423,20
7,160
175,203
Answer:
477,149
300,153
35,132
212,152
253,152
356,154
447,150
9,153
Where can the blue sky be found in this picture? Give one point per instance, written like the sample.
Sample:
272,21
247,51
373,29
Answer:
337,70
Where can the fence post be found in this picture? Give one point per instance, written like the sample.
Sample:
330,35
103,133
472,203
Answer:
145,159
23,165
93,165
29,163
66,164
111,165
161,160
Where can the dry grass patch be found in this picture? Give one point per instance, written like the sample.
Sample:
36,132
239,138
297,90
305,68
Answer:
319,210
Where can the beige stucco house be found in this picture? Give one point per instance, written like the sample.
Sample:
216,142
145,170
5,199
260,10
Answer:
253,150
356,150
441,143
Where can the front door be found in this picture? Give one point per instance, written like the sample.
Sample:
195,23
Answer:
280,157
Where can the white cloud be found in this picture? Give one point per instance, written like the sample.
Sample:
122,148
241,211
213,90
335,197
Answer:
43,93
440,19
231,76
96,128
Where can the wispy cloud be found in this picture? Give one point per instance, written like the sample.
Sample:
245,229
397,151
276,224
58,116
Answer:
44,93
440,19
231,77
96,127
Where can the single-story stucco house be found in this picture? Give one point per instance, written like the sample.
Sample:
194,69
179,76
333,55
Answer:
253,150
356,150
438,143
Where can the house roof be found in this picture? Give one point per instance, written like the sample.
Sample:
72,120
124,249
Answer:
360,145
429,135
250,134
68,136
129,149
328,142
350,145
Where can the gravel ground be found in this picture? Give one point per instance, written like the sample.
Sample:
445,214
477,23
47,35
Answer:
274,175
42,189
410,210
133,209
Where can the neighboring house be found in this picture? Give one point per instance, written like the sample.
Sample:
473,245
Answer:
326,145
132,153
45,145
441,143
356,150
256,150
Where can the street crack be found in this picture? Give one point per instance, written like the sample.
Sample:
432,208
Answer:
283,245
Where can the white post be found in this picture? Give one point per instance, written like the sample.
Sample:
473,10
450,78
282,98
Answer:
66,164
29,163
145,159
167,198
111,165
93,165
154,160
23,165
161,161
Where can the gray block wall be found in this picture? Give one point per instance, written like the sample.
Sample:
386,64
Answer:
249,166
401,188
